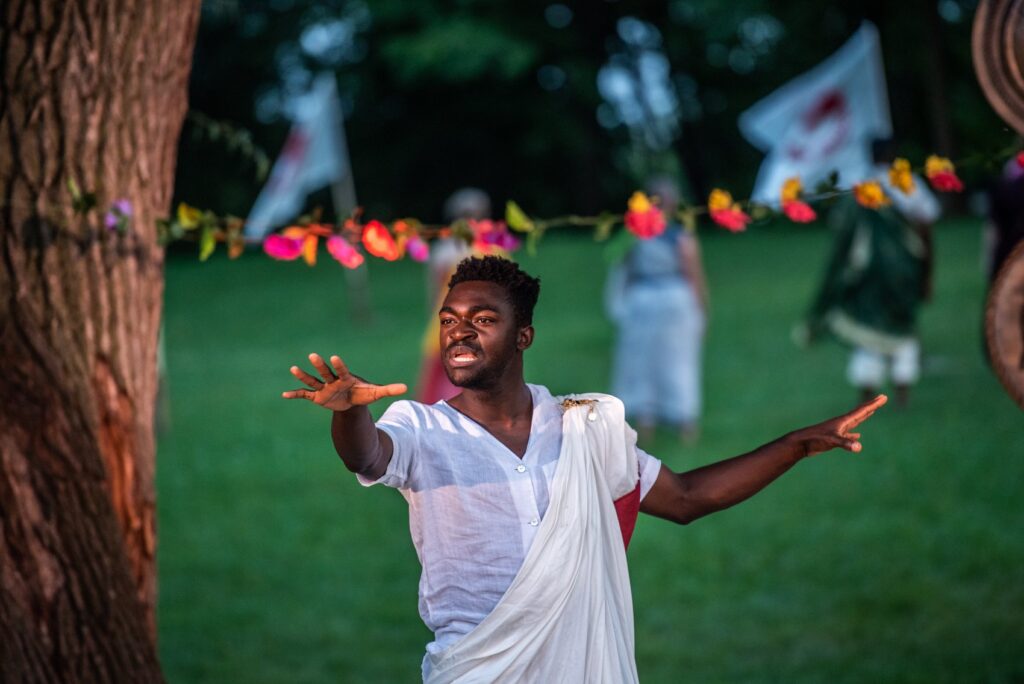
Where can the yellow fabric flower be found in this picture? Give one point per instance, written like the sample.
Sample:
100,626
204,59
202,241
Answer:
900,176
935,165
188,216
720,200
791,190
870,194
639,203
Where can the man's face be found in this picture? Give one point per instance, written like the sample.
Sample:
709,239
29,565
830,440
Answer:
479,336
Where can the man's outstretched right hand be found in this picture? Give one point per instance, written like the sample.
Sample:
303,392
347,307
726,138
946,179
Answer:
338,389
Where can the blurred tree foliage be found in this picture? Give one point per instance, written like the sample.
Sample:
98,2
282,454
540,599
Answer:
504,95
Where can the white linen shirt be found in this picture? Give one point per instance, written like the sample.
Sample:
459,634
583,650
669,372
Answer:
474,506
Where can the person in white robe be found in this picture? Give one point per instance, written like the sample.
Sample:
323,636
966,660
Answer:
521,504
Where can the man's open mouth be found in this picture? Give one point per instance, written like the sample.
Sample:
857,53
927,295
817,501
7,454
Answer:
462,356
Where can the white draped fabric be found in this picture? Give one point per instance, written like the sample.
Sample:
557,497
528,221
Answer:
568,614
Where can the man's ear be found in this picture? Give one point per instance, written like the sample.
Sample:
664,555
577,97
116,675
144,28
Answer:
524,337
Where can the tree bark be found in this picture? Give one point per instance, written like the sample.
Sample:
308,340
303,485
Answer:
94,91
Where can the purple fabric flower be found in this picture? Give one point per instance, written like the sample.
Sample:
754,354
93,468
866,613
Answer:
117,216
417,249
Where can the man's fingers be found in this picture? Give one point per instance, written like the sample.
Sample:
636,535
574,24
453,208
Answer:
298,394
305,377
321,367
339,366
873,405
393,390
863,412
367,393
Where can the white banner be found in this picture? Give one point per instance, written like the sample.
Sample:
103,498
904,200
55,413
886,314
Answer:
314,155
823,120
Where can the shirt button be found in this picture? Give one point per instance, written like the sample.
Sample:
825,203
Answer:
520,469
534,522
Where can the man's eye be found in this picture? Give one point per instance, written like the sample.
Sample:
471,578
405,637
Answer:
447,321
485,320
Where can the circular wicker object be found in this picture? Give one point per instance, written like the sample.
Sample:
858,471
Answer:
997,43
1004,324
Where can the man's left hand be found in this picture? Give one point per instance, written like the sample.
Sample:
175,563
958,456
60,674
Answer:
836,433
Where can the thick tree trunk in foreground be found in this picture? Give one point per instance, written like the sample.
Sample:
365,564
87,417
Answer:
95,91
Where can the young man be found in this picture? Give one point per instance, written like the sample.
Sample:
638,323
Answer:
521,504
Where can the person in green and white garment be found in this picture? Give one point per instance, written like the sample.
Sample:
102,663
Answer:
876,279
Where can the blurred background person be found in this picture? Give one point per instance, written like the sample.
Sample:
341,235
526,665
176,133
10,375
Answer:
1003,230
471,204
878,275
1005,226
658,299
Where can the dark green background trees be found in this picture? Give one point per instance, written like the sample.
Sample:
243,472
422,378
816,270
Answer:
505,96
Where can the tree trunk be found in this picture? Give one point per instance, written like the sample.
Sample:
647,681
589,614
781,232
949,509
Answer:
94,91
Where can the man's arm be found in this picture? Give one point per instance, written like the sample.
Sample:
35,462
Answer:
684,497
363,448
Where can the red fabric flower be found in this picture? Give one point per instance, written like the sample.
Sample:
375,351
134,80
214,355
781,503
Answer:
643,219
946,181
732,219
725,212
942,174
378,241
798,212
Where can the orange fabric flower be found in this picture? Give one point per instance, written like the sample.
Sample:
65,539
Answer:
900,176
378,241
725,212
871,195
643,219
942,174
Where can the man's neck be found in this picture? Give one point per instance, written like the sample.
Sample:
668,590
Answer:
506,403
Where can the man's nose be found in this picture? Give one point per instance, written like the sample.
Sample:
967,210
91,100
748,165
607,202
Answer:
463,330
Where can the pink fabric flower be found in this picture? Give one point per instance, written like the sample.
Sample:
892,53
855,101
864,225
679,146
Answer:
282,248
492,235
343,252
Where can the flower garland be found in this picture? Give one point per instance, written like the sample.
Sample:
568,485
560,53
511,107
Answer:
349,242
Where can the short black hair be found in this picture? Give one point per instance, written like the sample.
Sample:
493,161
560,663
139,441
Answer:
522,288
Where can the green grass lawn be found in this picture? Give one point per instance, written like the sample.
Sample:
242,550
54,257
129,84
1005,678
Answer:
904,563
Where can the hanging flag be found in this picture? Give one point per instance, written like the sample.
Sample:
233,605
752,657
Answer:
314,156
823,120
